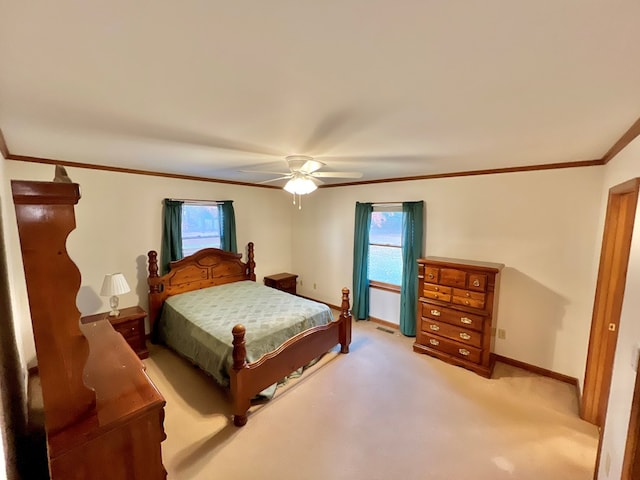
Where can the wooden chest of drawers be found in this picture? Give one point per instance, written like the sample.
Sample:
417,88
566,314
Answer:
456,311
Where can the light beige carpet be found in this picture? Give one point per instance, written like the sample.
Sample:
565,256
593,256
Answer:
380,412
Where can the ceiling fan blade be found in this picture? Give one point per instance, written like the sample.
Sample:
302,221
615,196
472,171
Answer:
337,174
311,166
274,179
303,164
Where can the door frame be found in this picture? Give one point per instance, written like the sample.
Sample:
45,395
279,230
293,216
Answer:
612,274
610,286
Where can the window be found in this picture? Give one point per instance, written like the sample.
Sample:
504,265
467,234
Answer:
200,227
385,245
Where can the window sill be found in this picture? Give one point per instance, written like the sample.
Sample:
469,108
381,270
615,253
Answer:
384,286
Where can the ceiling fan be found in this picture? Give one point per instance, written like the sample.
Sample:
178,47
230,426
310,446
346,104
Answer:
303,176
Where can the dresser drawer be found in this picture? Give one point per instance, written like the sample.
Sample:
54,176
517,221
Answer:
287,284
130,330
431,274
468,298
466,352
478,282
454,317
453,277
459,334
437,296
431,287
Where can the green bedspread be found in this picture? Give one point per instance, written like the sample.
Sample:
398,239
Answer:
198,324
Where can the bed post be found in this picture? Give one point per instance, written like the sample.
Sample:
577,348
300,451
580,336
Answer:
241,402
345,322
155,303
251,264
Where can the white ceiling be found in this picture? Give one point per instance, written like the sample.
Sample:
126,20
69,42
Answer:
389,88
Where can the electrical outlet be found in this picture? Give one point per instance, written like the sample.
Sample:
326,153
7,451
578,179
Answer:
314,286
300,282
502,333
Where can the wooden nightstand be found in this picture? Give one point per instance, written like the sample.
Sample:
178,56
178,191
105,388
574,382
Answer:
130,324
282,281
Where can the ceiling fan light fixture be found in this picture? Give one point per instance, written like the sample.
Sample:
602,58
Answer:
300,185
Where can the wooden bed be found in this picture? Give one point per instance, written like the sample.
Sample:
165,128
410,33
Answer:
210,267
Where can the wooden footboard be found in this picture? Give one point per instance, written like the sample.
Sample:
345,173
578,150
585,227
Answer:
249,379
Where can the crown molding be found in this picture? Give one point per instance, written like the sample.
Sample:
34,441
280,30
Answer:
626,139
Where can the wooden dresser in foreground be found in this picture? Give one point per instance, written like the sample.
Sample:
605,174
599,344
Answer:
457,303
103,416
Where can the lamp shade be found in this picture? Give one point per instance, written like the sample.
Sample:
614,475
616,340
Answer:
114,284
300,185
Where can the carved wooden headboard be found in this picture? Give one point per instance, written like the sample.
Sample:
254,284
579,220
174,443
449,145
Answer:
205,268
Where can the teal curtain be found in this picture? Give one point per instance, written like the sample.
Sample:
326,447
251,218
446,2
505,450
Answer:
412,233
171,234
360,307
227,227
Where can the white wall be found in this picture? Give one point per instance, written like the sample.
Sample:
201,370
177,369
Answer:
542,225
384,305
625,166
119,219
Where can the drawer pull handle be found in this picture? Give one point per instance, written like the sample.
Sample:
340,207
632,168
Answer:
436,289
434,342
435,295
465,320
435,328
465,336
466,302
476,283
435,313
464,351
467,294
430,275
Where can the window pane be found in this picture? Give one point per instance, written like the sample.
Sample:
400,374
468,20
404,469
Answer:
385,264
385,240
386,228
200,228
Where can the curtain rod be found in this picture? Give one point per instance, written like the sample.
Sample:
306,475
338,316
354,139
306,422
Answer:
188,200
386,203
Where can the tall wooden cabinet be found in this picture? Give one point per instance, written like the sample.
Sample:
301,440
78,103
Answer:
457,306
103,416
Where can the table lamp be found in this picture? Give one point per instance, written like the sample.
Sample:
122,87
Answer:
114,284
